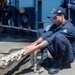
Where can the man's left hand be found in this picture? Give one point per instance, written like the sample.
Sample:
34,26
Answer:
29,49
69,5
12,25
29,28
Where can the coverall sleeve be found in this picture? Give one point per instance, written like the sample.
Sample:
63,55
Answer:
46,35
30,16
63,4
14,14
67,32
2,16
20,19
73,7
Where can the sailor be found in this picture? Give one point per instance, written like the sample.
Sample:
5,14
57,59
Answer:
69,6
58,40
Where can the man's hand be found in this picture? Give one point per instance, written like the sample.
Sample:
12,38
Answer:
29,49
35,46
69,5
12,25
0,24
21,27
29,27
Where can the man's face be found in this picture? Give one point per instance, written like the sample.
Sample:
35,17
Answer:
23,13
58,19
6,9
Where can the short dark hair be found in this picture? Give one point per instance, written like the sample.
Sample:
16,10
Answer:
5,6
63,14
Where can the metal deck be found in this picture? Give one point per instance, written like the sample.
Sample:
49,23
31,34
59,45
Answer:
23,67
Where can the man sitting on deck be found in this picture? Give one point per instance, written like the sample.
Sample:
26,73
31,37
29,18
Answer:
59,40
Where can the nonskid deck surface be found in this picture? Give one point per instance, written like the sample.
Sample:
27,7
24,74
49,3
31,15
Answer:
23,67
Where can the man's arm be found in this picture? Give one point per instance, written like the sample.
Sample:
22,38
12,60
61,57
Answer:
72,6
33,48
14,13
37,41
68,5
43,44
34,44
63,4
20,19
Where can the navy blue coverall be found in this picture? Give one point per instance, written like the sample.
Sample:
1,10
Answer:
1,11
30,15
11,13
72,9
62,41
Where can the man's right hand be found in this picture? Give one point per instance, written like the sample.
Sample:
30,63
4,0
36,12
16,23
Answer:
29,49
21,27
0,24
69,5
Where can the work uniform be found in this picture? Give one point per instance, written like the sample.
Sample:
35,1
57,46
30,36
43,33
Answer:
1,11
61,39
39,33
45,61
12,14
72,9
27,18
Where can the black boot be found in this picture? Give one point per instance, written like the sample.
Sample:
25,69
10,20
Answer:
55,68
46,63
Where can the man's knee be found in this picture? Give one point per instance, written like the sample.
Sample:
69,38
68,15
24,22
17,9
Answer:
59,37
40,32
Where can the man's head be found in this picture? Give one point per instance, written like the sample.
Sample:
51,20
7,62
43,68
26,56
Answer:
22,10
5,8
58,15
